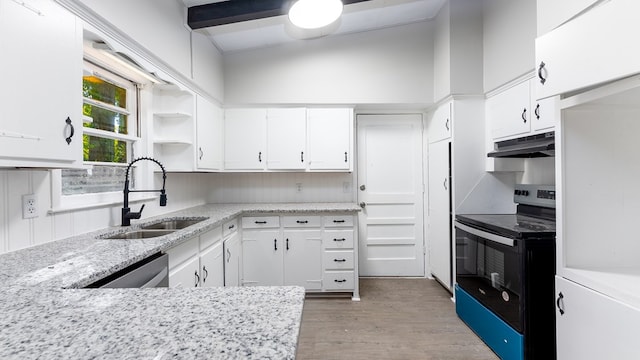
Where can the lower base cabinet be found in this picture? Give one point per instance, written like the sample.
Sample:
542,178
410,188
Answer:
232,253
593,326
316,252
197,262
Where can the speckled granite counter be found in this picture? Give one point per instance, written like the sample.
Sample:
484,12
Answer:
45,316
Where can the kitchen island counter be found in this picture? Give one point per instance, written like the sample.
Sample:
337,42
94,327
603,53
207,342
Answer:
47,314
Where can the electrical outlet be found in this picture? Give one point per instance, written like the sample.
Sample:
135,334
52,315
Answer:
29,206
299,187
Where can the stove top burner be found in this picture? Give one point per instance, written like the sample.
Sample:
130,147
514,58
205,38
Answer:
511,225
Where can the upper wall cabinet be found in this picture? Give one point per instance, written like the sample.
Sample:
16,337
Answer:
553,13
293,139
581,52
286,145
41,72
439,127
515,112
174,127
210,134
245,141
329,139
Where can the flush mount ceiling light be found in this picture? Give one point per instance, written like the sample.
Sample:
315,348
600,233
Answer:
313,14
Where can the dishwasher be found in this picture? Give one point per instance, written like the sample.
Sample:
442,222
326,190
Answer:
151,272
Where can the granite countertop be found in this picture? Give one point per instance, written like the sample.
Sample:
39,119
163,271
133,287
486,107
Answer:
47,314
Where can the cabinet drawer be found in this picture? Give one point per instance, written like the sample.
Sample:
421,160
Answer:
210,237
181,253
301,221
337,239
338,280
229,227
338,221
258,222
337,260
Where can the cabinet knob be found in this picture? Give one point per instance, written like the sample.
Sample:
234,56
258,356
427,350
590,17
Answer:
560,303
540,68
362,205
71,130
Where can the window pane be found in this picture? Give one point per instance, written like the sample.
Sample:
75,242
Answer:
104,119
104,150
98,179
98,89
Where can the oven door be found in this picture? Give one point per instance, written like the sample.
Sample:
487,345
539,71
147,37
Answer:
488,268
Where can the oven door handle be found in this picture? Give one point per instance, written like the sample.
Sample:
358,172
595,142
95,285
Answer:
486,235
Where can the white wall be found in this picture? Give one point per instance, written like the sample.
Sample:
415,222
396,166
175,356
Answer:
509,40
388,66
183,191
442,54
281,187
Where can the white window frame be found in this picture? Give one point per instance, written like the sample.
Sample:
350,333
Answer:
62,203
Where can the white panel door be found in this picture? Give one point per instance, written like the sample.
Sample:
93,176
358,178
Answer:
439,228
391,190
286,138
245,139
262,262
329,138
303,258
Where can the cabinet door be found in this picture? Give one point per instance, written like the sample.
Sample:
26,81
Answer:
286,138
41,72
543,115
594,326
439,235
440,125
245,136
303,258
232,260
330,138
590,49
212,266
187,274
262,252
210,135
508,112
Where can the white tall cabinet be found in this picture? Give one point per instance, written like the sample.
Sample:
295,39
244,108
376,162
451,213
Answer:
209,135
41,47
455,153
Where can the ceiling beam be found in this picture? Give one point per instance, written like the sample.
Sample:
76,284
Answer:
233,11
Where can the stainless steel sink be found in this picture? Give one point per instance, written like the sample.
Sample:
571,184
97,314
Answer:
174,224
139,234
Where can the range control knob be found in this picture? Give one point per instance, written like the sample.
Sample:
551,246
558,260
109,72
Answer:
525,192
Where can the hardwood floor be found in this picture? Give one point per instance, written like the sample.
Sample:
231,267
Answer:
395,319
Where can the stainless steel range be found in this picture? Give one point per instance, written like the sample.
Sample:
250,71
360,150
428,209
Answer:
505,267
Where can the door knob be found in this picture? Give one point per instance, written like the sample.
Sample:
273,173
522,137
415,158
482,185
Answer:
363,188
363,204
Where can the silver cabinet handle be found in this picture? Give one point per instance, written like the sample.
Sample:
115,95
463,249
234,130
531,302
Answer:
201,152
228,255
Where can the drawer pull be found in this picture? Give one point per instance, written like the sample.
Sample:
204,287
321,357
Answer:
231,227
287,244
275,244
340,281
339,260
260,222
302,221
343,239
338,221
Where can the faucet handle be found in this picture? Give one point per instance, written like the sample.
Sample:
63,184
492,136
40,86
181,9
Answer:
140,212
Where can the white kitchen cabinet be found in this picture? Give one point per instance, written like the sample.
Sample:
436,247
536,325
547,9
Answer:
174,133
509,112
553,13
232,254
589,50
339,257
439,233
41,71
245,140
543,114
593,326
262,257
439,127
303,258
330,138
197,261
286,138
210,134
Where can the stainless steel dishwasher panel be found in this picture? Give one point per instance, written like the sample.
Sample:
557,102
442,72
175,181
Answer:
148,273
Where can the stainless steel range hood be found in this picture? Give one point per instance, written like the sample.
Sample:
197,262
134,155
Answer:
539,145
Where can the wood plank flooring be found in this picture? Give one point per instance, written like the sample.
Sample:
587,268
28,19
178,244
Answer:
395,319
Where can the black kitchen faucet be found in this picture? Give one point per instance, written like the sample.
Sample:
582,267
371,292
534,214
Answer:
127,214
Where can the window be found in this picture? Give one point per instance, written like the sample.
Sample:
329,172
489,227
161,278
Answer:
109,133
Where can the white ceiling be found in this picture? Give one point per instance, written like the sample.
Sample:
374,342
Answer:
358,17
